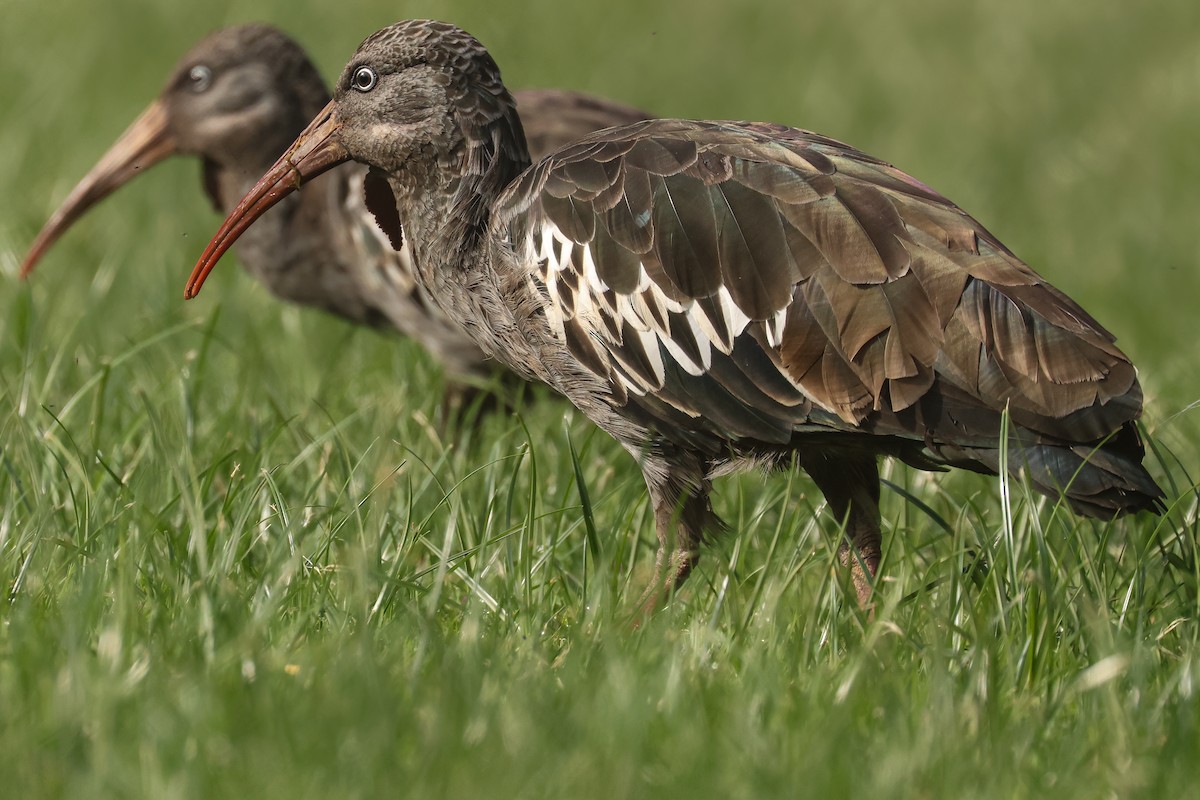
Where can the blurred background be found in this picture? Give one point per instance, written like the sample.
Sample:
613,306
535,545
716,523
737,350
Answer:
200,498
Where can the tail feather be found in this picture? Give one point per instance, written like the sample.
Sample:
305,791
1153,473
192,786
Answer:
1102,479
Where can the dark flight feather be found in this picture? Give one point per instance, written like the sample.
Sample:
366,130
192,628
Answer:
891,297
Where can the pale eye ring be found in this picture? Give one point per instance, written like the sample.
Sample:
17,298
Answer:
364,79
201,77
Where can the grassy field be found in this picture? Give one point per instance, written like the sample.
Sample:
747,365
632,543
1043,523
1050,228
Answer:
241,559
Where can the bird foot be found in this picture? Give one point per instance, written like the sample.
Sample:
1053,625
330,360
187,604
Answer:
864,568
670,571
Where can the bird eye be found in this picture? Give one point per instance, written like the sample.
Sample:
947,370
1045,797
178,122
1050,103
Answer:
364,79
201,77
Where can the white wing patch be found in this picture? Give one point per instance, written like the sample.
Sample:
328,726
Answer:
589,271
774,327
631,333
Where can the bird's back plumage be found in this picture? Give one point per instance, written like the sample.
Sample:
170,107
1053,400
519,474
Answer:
750,285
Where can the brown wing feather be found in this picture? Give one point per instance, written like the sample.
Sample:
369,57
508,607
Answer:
868,292
553,116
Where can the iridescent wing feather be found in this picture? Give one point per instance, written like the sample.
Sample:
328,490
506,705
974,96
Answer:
760,280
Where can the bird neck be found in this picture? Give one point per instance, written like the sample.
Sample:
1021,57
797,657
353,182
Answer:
492,156
446,204
445,207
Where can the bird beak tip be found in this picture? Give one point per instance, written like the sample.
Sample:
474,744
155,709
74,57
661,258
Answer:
144,143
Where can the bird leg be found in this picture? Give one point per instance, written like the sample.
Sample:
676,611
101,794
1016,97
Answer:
679,519
678,552
851,487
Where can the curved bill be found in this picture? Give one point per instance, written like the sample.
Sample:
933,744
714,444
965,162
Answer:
143,144
315,151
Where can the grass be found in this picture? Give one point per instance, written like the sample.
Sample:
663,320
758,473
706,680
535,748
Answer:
238,559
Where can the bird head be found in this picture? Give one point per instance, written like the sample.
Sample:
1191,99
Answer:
235,99
419,89
421,102
241,95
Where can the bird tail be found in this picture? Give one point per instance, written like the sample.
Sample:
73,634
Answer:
1103,479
